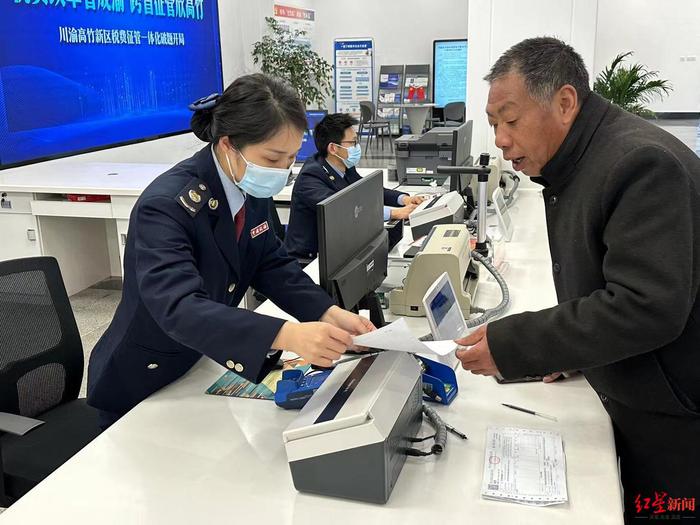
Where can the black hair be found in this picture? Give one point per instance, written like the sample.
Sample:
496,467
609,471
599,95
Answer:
546,64
331,130
251,110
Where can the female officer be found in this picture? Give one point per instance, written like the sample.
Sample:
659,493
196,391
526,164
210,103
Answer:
199,236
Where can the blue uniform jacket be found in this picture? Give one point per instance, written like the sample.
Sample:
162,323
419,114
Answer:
184,275
317,181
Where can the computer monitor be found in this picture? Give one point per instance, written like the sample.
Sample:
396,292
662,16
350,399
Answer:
353,245
461,155
308,146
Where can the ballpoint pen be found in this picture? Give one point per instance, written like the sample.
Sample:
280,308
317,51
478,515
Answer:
528,411
455,431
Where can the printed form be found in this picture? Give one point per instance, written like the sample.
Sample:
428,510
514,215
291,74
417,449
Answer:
524,466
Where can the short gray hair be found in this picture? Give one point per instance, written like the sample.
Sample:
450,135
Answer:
546,64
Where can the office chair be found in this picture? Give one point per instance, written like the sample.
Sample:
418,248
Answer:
454,114
41,369
369,121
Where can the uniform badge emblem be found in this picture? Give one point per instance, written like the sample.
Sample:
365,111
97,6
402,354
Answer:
194,196
259,230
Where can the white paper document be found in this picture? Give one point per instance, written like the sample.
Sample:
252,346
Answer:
397,336
524,466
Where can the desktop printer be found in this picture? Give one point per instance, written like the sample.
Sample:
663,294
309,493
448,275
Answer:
445,250
351,437
418,156
446,209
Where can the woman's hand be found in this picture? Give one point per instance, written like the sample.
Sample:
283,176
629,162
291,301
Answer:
348,321
319,343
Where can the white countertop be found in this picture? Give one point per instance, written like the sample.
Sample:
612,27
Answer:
105,178
95,178
184,457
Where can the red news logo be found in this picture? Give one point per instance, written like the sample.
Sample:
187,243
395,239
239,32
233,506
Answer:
661,504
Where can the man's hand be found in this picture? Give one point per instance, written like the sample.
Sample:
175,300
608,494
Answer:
478,358
403,212
415,199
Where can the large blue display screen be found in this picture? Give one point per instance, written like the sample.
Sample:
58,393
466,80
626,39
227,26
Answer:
308,147
77,75
450,70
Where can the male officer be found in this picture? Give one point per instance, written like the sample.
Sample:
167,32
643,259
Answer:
623,217
327,172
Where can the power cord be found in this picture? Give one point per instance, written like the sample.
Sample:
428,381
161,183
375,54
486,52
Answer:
490,313
440,436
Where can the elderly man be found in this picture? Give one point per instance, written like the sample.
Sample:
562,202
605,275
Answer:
622,204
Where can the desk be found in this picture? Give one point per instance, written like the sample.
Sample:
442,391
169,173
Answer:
283,199
285,196
87,239
184,457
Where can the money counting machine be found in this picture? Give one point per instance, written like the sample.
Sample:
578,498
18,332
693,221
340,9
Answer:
350,439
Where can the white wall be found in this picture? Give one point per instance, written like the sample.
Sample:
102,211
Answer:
495,25
403,30
242,24
659,33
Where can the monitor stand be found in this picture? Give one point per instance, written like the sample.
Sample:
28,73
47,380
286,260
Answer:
376,314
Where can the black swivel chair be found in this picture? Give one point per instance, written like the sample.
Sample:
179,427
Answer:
370,123
41,369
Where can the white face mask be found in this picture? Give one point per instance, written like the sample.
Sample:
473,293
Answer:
260,181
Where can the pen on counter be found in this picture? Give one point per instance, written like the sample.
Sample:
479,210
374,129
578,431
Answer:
455,431
528,411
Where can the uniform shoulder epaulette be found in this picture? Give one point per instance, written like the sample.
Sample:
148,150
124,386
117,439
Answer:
193,196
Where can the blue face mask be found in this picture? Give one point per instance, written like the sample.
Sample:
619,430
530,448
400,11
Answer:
354,155
259,181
